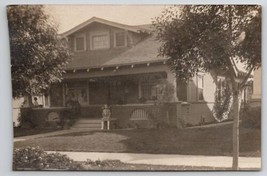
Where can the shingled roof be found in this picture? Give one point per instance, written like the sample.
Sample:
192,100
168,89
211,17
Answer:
145,51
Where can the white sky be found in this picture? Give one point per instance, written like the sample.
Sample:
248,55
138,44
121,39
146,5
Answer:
68,16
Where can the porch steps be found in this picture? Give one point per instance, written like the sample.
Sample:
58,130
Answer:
87,123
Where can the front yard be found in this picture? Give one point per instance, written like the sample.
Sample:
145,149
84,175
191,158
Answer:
205,141
18,132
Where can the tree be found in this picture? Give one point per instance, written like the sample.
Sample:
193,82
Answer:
212,38
38,54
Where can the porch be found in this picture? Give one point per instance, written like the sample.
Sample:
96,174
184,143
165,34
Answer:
126,116
111,90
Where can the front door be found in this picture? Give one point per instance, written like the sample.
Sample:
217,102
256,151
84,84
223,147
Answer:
78,91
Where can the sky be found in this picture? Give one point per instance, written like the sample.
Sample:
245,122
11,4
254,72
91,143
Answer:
68,16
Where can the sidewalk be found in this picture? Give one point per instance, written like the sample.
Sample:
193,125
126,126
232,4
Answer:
162,159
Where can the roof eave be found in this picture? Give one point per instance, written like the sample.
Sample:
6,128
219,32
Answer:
114,65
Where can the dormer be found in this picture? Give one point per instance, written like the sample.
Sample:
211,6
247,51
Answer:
98,34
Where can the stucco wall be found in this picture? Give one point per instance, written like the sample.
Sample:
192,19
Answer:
257,85
197,113
209,88
123,114
38,116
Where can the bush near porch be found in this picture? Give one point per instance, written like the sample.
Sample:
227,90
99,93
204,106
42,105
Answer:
198,141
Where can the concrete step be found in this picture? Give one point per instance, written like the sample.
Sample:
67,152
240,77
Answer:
89,117
87,123
84,128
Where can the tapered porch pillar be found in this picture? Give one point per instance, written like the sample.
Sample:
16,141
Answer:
171,78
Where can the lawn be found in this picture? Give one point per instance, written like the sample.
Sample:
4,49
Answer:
26,132
204,141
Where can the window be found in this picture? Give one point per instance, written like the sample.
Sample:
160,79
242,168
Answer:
120,39
151,88
221,86
200,85
77,91
100,41
80,42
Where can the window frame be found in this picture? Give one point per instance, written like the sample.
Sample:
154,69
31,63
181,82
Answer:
115,39
83,35
202,87
93,34
220,88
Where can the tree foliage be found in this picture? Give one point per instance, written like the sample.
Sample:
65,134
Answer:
222,104
213,38
38,55
208,37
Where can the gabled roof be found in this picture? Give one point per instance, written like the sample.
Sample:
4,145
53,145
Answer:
136,29
145,51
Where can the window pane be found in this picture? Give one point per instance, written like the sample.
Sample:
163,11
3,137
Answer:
200,94
120,39
80,43
200,87
200,81
151,89
100,41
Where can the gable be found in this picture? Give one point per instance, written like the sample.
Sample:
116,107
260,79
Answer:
135,29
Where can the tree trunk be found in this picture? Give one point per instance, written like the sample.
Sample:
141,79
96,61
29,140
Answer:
236,104
28,100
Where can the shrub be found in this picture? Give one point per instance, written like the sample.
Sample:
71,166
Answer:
252,118
103,164
37,159
223,104
26,118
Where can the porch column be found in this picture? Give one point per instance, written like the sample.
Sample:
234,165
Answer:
139,89
27,101
172,80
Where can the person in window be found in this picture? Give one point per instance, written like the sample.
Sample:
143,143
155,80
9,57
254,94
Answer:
35,103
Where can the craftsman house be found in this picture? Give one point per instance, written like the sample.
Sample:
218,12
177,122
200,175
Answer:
118,65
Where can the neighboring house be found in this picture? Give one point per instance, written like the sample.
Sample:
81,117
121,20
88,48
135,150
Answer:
256,95
118,64
18,103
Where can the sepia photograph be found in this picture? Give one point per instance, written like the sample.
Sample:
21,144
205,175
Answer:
136,87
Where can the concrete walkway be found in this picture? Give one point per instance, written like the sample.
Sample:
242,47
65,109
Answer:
162,159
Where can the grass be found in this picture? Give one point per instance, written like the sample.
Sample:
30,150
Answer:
204,141
18,132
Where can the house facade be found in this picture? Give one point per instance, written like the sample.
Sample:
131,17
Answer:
118,65
256,96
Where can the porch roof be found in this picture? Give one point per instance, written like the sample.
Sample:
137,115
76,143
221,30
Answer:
144,52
